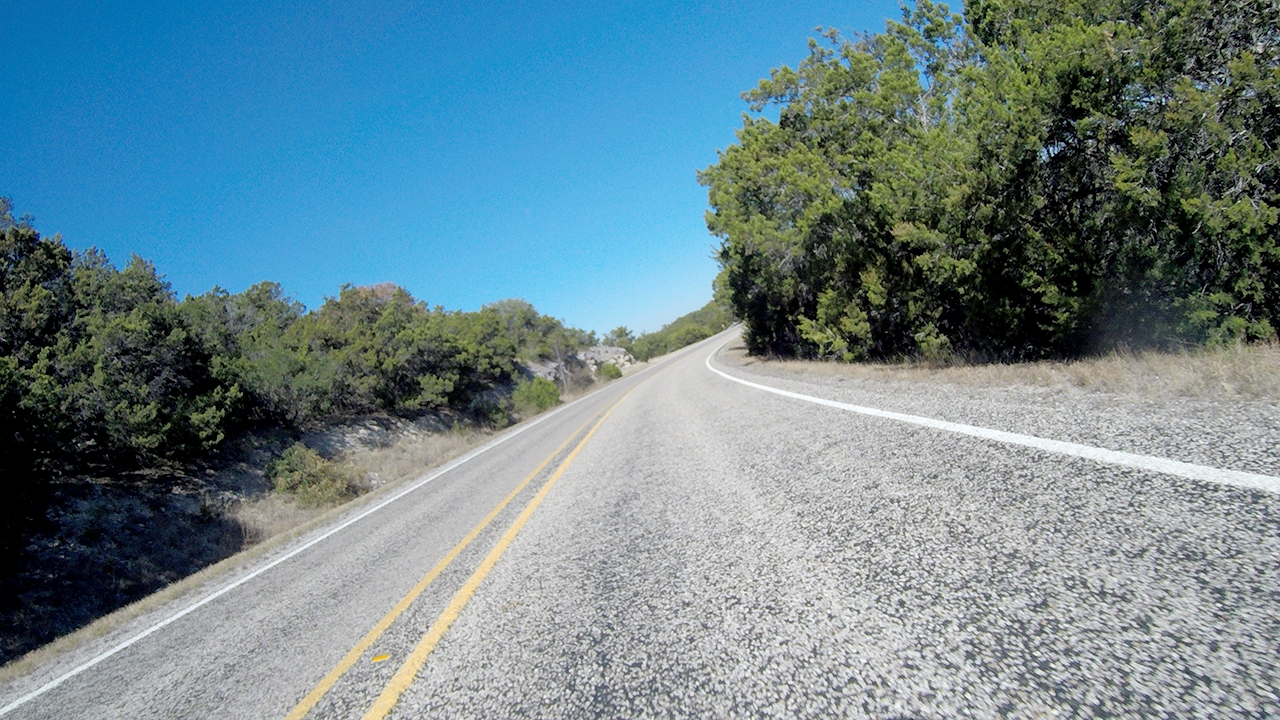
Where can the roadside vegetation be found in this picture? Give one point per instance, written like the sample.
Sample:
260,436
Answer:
314,481
146,436
534,396
1223,373
104,369
1021,181
684,330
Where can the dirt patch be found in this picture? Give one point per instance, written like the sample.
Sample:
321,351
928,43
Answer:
388,450
408,454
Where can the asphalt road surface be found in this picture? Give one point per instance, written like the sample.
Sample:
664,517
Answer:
687,545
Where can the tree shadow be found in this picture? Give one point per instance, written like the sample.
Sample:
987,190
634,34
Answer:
102,546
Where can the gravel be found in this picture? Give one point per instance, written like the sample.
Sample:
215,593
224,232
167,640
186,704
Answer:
1237,435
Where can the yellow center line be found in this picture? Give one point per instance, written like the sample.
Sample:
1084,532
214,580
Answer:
327,683
409,670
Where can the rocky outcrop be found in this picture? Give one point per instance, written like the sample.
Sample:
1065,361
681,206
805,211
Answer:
598,355
587,361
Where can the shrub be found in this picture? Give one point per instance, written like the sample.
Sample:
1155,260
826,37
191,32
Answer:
312,480
534,396
492,409
609,371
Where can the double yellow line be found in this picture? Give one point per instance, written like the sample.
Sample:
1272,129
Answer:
409,669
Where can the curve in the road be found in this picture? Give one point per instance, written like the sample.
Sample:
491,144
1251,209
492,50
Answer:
1167,466
716,551
312,698
409,669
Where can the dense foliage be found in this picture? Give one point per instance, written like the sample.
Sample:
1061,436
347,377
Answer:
684,330
535,395
1033,178
312,480
104,367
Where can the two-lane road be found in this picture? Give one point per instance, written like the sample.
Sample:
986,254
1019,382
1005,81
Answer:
681,544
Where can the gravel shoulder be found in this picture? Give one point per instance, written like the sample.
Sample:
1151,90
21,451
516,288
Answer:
719,551
1237,433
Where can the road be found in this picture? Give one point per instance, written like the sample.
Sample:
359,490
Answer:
687,545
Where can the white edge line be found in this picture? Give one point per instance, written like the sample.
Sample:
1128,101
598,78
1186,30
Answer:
350,521
1190,471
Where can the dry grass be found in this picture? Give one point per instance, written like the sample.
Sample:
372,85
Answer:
272,520
577,391
408,455
1234,372
403,458
270,515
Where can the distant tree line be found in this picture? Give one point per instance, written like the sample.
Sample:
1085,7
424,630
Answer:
105,368
1032,178
684,330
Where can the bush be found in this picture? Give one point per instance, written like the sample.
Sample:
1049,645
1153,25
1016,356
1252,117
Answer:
609,371
103,369
492,410
312,480
534,396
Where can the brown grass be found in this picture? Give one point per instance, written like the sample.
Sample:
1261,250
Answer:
408,455
272,520
270,515
1236,372
403,459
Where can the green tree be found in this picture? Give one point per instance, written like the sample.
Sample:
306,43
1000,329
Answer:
245,336
618,337
684,330
1031,179
535,395
101,367
128,375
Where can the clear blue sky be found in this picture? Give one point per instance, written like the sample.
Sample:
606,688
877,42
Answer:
467,151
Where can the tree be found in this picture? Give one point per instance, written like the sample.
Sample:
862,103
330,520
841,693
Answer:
618,337
1030,179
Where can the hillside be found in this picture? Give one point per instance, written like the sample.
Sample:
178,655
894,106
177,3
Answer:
136,426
